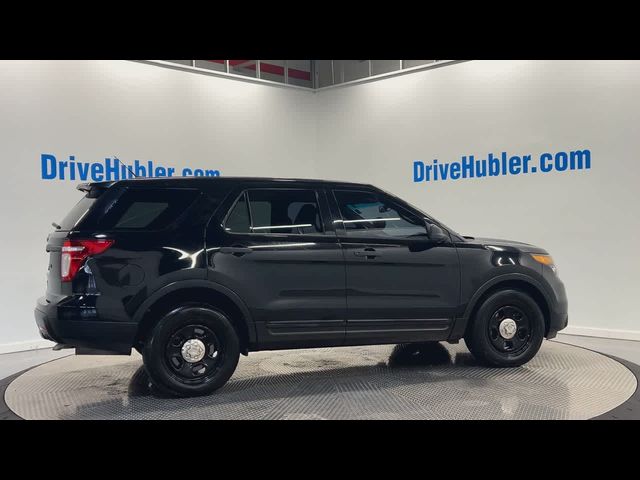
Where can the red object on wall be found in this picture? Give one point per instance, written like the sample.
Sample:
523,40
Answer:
269,68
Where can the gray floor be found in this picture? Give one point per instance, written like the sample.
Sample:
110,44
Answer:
11,363
625,349
428,381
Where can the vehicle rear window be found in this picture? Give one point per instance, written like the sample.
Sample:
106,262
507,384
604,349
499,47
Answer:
142,209
276,211
285,211
77,213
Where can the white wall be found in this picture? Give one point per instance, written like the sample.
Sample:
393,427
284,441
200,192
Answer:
99,109
589,220
371,132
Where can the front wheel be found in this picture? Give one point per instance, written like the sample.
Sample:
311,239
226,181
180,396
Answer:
192,351
507,330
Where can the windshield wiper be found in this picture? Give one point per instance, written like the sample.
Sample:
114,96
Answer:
56,226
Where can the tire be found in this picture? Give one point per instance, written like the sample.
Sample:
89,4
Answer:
491,337
175,359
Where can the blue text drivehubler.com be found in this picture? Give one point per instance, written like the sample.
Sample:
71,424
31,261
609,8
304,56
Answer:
112,169
503,164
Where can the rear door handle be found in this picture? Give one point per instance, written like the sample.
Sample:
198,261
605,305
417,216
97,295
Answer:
236,250
367,252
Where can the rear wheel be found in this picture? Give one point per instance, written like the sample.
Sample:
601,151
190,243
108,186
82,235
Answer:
192,351
507,330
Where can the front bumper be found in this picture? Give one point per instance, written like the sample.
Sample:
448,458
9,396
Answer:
557,322
76,323
558,305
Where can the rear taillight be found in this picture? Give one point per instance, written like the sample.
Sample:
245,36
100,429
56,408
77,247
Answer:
75,252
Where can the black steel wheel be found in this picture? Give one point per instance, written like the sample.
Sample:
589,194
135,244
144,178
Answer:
507,329
192,351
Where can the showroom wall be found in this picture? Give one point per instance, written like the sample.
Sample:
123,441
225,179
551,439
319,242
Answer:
134,111
371,132
587,218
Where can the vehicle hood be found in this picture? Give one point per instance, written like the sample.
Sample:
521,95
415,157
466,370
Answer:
506,244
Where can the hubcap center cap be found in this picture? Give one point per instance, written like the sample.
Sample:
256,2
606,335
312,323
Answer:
193,350
508,328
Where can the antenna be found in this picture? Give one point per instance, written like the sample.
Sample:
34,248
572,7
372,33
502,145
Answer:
128,167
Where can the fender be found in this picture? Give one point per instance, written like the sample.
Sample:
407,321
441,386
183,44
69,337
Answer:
461,322
186,284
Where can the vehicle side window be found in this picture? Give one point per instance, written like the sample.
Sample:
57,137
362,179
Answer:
276,211
141,214
148,209
238,220
366,214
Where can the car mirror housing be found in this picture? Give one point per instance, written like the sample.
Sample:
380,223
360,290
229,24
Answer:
436,234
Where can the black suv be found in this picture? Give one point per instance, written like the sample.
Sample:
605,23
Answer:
191,272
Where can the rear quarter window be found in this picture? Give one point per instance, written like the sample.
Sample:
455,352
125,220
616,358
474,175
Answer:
145,209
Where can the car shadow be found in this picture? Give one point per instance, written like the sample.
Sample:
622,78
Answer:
405,356
419,355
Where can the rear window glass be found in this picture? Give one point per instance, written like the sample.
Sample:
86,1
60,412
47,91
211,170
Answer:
77,213
148,209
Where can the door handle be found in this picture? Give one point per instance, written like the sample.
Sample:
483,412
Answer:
370,253
236,250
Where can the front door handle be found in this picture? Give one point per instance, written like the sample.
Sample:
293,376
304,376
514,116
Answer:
370,253
235,250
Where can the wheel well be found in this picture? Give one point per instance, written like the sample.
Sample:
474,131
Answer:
194,295
522,286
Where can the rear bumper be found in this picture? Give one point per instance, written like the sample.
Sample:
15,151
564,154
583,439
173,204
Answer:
70,322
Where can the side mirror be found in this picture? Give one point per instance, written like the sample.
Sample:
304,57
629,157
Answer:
436,234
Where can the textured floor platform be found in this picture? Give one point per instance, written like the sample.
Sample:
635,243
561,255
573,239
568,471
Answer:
431,381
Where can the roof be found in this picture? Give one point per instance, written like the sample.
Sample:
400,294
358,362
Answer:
224,179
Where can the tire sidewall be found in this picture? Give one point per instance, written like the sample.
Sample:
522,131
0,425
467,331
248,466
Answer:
479,342
154,349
